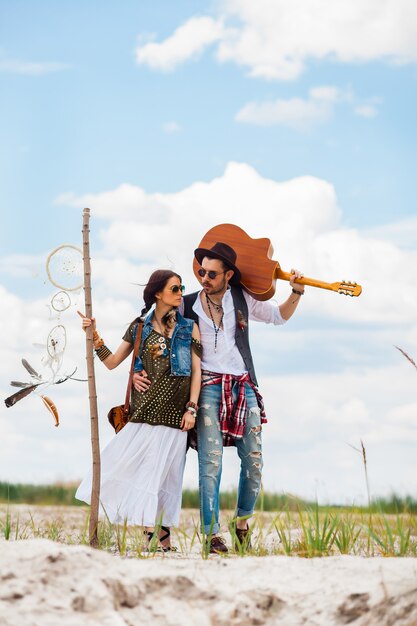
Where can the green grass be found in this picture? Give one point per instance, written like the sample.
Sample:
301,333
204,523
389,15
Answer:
310,531
63,494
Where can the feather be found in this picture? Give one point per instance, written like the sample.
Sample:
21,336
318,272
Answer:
16,383
155,351
30,369
19,395
51,408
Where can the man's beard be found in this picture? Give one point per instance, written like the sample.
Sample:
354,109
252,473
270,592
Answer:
219,289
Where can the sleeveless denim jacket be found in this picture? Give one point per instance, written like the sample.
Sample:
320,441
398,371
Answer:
180,345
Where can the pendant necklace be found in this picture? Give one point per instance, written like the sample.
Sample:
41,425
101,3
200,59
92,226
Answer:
161,340
216,328
218,307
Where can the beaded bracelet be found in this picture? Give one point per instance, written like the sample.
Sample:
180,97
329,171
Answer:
191,405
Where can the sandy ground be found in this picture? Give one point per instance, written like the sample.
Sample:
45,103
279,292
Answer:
43,583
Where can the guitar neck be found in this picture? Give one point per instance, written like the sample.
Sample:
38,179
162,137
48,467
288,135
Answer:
311,282
346,288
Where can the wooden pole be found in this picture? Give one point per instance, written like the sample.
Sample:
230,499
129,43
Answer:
92,393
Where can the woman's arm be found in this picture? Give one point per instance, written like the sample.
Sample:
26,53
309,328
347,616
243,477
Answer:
111,360
188,419
195,370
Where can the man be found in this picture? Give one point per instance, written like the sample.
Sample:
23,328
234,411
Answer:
231,408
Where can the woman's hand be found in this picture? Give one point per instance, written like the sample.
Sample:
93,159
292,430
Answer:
188,421
87,321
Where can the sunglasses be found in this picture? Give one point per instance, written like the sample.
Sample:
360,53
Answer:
177,288
211,273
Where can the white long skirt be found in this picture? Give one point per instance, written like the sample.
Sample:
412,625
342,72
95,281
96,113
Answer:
141,476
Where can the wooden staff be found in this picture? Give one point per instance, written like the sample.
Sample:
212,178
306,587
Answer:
92,393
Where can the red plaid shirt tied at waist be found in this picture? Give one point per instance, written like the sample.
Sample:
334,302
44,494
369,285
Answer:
232,415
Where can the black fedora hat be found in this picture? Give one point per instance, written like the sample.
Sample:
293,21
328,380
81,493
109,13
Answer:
224,253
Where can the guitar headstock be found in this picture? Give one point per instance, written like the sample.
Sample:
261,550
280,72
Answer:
348,289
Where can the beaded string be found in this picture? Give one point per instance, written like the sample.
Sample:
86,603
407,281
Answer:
216,328
218,307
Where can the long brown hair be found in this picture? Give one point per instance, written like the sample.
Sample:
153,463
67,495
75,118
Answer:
156,283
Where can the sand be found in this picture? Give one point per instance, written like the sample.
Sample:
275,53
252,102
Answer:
52,584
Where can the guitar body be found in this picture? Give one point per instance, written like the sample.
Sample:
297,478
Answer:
253,259
259,271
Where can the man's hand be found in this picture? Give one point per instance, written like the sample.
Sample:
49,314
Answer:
294,285
188,421
141,381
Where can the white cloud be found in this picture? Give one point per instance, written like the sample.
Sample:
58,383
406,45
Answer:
295,112
301,217
402,233
127,201
188,41
350,382
30,68
171,127
275,40
366,110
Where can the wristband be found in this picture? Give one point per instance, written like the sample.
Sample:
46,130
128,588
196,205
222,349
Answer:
191,405
103,352
299,293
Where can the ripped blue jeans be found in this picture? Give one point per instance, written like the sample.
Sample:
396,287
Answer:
210,456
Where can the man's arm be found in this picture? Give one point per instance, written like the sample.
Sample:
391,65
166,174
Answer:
288,307
270,313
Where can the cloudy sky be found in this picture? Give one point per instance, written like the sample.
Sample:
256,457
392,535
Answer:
293,119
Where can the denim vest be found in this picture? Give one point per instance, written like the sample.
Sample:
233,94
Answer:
180,345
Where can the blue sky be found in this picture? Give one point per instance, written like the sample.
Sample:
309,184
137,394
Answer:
162,97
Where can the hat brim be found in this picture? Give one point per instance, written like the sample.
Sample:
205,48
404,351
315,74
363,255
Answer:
200,253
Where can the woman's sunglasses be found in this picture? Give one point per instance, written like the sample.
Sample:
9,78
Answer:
211,273
177,288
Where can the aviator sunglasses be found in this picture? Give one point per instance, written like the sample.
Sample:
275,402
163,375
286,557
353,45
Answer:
177,288
211,273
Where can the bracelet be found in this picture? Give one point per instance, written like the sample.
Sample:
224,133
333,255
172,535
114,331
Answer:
299,293
103,352
192,411
191,405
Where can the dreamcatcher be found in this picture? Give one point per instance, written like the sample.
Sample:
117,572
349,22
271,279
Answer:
64,267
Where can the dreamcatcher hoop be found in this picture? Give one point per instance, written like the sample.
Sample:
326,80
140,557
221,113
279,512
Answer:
61,301
70,267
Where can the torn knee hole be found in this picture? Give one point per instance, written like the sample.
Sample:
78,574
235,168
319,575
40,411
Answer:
256,429
255,454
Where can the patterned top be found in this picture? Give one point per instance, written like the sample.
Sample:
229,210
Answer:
164,402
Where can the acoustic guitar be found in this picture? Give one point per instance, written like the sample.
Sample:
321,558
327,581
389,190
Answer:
259,271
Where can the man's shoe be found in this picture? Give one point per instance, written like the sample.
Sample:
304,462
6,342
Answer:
217,545
242,539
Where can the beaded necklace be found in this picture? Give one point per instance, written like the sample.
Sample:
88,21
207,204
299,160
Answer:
218,307
216,328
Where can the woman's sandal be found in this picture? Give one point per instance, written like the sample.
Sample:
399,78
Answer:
164,537
152,541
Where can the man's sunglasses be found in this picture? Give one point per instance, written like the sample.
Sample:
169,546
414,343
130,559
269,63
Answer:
211,274
177,288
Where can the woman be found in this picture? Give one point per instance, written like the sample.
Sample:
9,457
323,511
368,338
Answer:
142,467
